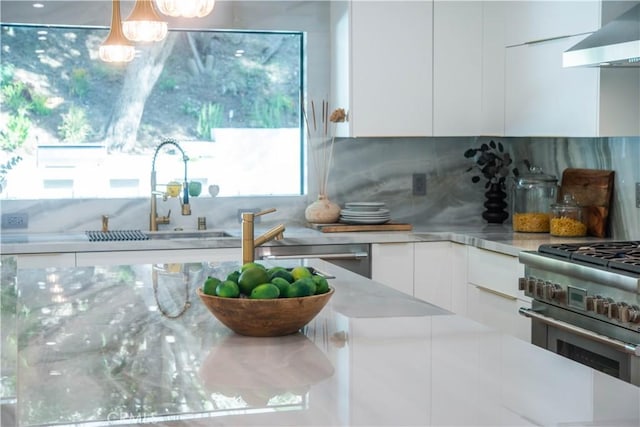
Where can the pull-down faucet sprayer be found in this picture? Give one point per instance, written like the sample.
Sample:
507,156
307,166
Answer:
154,219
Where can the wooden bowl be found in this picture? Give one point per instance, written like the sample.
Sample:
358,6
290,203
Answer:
265,317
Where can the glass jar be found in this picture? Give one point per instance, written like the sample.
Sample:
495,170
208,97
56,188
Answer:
533,195
567,219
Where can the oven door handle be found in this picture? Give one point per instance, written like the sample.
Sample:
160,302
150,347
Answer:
346,256
617,344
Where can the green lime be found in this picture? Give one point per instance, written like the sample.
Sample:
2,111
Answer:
233,276
252,277
301,288
250,265
209,286
281,283
299,272
265,291
283,273
322,285
228,289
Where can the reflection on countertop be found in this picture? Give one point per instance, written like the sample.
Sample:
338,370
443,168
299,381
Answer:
92,345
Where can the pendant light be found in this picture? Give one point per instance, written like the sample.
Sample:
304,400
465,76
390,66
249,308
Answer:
116,47
185,8
144,24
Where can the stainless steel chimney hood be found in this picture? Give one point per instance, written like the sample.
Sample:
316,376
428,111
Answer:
616,44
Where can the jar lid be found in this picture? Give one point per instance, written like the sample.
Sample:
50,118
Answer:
568,202
535,177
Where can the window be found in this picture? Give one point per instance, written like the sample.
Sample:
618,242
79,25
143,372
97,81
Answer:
76,127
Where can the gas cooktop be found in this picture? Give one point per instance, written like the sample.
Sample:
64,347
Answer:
614,256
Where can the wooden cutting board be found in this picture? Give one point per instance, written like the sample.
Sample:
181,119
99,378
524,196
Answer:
593,189
344,228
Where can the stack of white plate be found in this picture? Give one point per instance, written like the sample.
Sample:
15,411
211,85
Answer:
364,213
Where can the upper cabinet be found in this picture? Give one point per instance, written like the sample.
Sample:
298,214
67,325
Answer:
469,68
544,99
388,75
532,21
457,68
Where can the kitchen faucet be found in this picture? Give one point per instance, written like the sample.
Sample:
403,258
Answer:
154,219
249,244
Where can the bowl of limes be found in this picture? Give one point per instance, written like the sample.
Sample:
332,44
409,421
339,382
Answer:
266,302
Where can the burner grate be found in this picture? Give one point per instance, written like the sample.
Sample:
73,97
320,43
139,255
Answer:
623,256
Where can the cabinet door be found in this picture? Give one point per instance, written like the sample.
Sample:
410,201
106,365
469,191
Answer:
459,278
498,311
457,68
46,260
529,21
391,74
158,256
433,273
392,265
544,99
495,271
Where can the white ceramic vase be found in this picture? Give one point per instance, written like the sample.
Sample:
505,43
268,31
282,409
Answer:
322,211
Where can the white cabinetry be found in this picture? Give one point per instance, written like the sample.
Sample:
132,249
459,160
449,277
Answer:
44,260
392,265
157,256
544,99
389,73
85,259
530,21
457,68
431,271
433,266
493,297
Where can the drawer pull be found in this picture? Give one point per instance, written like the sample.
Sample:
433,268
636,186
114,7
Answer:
498,293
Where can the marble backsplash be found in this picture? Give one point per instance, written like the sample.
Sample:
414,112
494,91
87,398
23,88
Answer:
376,169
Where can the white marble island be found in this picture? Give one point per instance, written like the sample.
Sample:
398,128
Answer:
94,349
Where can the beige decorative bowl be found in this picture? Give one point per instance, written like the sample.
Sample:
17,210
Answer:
265,317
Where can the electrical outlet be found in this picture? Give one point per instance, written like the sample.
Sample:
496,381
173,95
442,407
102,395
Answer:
256,220
15,220
419,184
637,194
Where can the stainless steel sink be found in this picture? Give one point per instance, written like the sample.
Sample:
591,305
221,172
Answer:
186,234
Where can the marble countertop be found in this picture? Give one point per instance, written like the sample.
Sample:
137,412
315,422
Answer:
499,238
94,347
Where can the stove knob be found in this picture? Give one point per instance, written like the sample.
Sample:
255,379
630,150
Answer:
614,311
634,314
539,289
623,313
602,306
559,294
590,305
522,283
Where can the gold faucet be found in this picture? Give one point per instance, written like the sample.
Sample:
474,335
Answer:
249,243
154,219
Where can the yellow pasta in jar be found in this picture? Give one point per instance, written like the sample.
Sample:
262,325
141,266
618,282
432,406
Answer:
531,222
568,227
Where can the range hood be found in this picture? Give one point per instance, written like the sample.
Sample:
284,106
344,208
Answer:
616,44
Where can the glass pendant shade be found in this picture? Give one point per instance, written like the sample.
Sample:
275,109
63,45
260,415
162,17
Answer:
116,47
144,24
185,8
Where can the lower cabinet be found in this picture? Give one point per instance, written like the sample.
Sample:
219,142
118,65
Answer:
158,256
392,265
493,297
476,283
433,267
86,259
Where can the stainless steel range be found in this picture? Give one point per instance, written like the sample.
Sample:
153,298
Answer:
586,303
